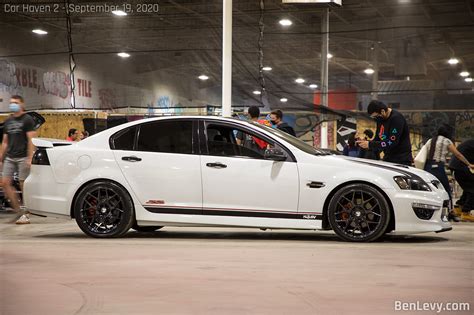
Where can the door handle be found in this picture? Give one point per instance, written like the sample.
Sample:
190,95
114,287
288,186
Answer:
131,158
216,165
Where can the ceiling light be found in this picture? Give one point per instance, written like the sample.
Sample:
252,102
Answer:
299,80
203,77
283,100
123,55
285,22
256,92
267,68
453,61
369,71
313,86
468,80
464,74
330,56
39,32
119,13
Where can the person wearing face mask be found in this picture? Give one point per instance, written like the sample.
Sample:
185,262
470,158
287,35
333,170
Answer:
392,136
276,117
17,151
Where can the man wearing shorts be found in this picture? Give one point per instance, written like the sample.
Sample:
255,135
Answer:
17,151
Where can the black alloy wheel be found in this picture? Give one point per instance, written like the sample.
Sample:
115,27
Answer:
359,213
104,209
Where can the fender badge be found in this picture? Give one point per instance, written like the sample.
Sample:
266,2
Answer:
155,202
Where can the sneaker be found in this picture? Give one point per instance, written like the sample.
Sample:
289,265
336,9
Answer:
467,216
454,217
23,220
457,211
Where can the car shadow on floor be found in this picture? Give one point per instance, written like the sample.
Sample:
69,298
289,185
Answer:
257,235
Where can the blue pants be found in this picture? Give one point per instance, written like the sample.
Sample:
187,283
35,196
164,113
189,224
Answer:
438,170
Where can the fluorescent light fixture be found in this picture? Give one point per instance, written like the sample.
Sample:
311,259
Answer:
464,74
283,100
203,77
123,55
469,80
336,3
453,61
299,80
119,13
285,22
330,56
39,31
313,86
267,68
369,71
256,92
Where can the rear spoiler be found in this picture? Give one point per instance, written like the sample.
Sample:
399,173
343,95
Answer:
50,143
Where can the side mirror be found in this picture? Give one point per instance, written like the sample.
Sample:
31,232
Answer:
275,154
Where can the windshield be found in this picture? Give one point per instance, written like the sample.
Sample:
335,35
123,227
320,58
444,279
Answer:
303,146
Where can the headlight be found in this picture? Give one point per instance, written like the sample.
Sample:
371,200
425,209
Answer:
411,183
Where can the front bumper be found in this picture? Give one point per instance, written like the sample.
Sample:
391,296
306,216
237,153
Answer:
406,219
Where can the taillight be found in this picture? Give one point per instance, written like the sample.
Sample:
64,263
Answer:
40,157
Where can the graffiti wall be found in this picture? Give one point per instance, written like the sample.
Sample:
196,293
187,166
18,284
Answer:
50,88
426,123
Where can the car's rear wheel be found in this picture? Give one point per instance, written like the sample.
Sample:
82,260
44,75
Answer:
146,229
104,209
359,213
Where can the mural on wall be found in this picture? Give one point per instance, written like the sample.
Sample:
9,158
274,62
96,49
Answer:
8,80
56,83
107,98
464,124
425,124
345,127
51,88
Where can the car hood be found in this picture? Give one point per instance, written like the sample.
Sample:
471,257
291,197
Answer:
397,169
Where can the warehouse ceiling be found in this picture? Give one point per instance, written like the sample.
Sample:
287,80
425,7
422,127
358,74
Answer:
409,40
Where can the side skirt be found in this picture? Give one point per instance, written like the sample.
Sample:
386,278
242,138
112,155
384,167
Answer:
231,218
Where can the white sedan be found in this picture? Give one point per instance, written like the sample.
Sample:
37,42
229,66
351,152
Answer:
213,171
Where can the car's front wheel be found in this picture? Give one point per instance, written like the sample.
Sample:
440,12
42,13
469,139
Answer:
359,213
104,209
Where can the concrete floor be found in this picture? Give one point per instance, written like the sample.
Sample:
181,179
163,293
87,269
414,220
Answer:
51,267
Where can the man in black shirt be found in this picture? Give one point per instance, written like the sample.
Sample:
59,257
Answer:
392,135
276,117
17,151
465,177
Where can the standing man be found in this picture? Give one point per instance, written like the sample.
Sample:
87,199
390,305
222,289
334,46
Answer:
392,135
276,117
17,151
464,175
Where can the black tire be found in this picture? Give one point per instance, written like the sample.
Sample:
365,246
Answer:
146,229
104,209
359,213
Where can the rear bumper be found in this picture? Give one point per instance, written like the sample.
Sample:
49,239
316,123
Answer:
43,194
